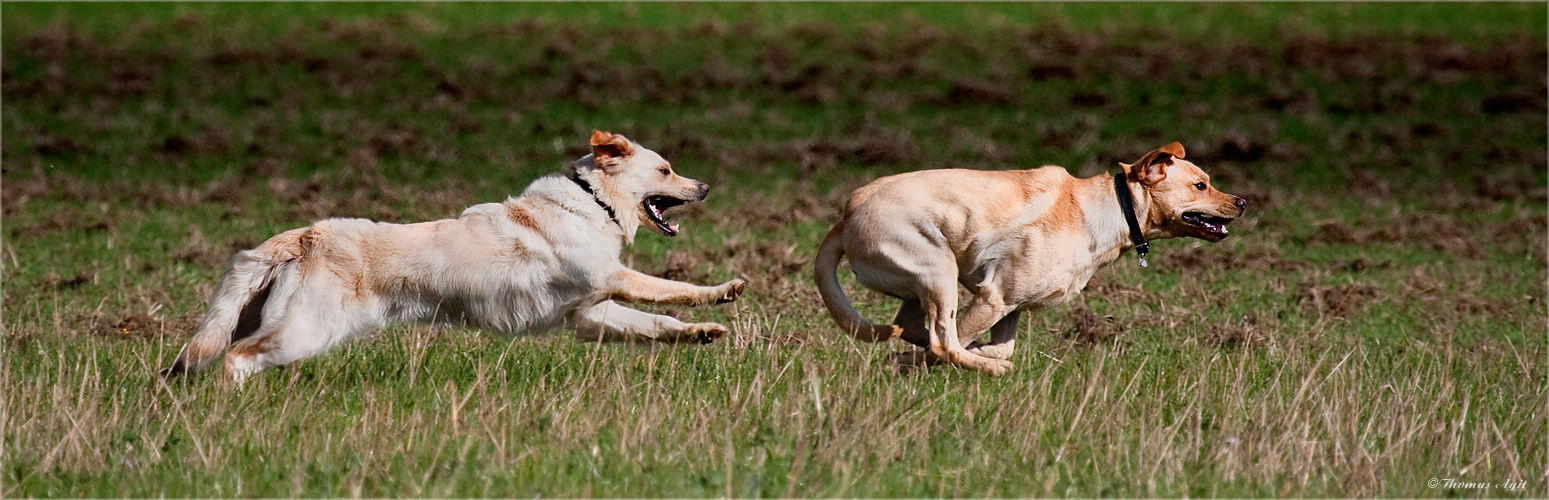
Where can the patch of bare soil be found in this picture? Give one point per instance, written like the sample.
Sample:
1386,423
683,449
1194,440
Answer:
1338,301
1109,289
135,325
1088,329
1247,333
199,250
61,220
971,92
1200,259
141,325
54,280
1449,299
1510,186
1431,231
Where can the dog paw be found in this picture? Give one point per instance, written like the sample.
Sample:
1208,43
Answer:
731,290
706,333
971,361
996,367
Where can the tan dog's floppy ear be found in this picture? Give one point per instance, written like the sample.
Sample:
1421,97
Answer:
608,145
1152,168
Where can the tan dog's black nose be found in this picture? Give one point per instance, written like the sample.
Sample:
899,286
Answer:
1241,203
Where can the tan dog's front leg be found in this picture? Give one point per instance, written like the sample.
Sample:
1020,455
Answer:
610,322
1002,338
634,286
987,311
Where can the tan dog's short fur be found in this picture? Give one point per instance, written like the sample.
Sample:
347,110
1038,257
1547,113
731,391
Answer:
547,258
1015,239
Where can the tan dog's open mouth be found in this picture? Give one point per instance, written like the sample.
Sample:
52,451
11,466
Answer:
1214,228
655,205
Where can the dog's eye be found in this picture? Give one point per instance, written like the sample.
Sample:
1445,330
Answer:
665,170
1199,185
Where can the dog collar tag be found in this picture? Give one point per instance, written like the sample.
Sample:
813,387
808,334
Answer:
1127,205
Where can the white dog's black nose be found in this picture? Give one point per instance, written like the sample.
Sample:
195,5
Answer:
704,190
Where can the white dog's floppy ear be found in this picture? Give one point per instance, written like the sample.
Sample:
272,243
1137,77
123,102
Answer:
1152,168
607,146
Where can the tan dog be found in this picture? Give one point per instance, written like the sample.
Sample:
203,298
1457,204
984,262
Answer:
1015,239
547,258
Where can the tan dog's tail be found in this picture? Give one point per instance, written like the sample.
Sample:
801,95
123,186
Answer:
824,272
236,311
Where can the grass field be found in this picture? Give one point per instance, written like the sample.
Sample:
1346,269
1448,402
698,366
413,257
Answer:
1376,321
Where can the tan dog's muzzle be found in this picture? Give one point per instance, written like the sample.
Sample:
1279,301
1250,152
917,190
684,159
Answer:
1212,227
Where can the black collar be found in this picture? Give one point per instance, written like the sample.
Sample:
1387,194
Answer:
1127,204
585,186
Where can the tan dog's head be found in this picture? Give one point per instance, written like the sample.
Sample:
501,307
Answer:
1182,201
636,182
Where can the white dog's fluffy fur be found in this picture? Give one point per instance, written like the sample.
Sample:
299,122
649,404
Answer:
547,258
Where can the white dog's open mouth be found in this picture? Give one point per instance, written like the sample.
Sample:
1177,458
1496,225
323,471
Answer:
654,206
1213,227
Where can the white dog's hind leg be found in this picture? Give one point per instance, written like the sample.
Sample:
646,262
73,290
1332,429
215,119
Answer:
610,322
307,325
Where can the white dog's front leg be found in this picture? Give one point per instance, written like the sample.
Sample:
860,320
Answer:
610,322
630,285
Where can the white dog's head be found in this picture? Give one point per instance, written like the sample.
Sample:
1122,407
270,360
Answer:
636,183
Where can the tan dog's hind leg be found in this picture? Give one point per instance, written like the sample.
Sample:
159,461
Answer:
610,322
911,319
985,308
941,307
633,286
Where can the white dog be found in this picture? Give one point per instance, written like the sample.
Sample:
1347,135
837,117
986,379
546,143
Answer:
547,258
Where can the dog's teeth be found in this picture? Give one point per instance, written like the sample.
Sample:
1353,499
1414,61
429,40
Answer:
674,227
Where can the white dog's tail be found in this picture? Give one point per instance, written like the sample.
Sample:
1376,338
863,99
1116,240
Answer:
236,310
824,270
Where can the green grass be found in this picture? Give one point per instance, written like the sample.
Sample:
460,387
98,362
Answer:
1377,319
